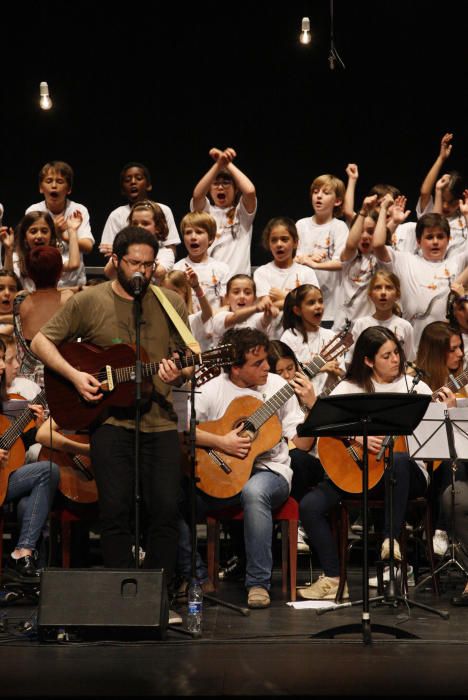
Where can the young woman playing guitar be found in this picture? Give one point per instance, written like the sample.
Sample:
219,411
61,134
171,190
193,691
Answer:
32,485
440,355
377,365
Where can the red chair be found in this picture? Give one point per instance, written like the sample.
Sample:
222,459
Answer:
287,515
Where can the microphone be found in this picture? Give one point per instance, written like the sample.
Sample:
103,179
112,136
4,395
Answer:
385,443
138,283
416,369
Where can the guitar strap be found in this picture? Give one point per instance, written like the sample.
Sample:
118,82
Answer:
182,329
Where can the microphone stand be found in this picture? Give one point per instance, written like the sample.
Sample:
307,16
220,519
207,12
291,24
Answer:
138,383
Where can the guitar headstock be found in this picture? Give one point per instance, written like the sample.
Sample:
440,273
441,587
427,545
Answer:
203,374
221,356
338,345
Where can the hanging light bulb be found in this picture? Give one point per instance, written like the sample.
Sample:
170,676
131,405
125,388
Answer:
305,36
44,101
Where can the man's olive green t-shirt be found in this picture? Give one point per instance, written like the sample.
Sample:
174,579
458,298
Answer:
100,316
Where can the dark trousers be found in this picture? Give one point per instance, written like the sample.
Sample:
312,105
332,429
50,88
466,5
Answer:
314,507
113,456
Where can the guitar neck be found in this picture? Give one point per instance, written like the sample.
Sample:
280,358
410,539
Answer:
454,384
262,414
17,427
121,375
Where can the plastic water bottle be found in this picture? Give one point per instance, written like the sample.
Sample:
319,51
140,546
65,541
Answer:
195,607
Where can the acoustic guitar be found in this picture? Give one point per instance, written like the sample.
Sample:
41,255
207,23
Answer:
341,458
222,475
76,474
115,369
10,440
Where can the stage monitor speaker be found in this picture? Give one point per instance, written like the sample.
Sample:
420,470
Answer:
93,604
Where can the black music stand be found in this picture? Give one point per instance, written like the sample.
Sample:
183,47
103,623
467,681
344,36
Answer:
363,415
441,430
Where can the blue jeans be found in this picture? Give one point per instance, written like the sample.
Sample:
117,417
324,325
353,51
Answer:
264,492
35,484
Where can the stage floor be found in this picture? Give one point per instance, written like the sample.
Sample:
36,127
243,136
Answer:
268,652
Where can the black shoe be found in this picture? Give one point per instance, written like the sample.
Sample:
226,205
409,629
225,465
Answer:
460,601
22,569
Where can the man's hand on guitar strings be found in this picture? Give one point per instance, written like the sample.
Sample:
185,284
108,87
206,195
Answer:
169,373
235,444
88,387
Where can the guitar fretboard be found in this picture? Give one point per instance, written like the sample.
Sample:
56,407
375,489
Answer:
127,374
13,432
454,385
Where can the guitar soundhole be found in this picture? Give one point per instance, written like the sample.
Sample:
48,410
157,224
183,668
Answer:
249,428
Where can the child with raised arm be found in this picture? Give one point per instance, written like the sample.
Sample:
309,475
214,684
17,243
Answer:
358,266
442,195
322,237
229,196
55,183
38,229
242,308
425,279
275,279
302,317
198,231
135,186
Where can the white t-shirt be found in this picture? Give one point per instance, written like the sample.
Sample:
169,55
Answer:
425,285
203,332
234,236
215,397
255,321
306,351
329,238
400,326
352,298
118,219
270,275
69,278
213,276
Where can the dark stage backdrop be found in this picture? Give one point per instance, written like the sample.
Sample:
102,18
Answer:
164,82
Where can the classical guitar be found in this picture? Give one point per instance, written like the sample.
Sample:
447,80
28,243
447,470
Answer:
10,439
222,475
76,474
342,457
115,369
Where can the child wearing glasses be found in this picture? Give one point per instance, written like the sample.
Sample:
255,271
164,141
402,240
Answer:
229,196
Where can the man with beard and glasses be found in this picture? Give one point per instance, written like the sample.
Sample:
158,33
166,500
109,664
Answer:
104,315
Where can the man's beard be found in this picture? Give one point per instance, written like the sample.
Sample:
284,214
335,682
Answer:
126,282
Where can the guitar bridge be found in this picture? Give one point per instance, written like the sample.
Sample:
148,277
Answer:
110,378
220,462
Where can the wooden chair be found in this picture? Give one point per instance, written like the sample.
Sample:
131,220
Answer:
287,515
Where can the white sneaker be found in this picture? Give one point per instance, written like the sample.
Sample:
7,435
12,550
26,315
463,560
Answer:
324,588
440,542
373,582
302,544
